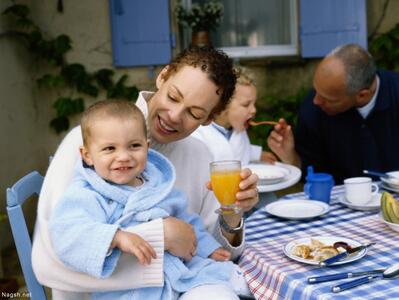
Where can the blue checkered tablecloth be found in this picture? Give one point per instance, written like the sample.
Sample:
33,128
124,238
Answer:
272,275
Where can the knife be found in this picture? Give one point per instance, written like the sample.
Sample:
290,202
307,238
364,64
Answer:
338,276
343,255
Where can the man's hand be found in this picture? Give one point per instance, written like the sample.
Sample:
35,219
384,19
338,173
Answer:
281,142
220,254
180,239
134,244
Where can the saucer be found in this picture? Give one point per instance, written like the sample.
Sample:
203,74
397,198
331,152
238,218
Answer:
297,209
373,204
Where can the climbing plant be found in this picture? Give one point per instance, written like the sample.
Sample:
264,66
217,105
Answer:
385,49
71,78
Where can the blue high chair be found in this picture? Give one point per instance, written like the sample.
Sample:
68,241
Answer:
24,188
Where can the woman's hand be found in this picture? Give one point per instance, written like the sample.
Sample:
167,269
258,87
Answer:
180,239
248,195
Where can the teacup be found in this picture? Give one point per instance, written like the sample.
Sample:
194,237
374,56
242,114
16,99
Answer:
360,190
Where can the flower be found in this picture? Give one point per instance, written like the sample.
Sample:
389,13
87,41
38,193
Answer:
205,17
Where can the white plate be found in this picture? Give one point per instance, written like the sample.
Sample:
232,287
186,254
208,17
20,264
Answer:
388,188
373,204
393,226
388,182
297,209
293,177
328,240
269,174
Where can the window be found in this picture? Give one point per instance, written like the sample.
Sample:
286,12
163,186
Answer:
257,28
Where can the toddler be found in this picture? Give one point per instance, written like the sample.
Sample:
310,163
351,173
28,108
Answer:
226,137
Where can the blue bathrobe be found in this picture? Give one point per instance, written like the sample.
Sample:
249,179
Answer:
86,219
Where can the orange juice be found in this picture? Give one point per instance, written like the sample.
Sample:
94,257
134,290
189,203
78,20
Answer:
225,185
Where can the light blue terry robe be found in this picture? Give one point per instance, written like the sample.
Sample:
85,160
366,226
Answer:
85,220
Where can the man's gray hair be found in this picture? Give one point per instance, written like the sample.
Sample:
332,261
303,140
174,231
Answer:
359,66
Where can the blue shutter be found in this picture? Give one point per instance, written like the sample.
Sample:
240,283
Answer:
140,32
325,24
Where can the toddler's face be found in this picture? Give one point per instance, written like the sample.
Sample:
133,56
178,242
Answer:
242,106
117,149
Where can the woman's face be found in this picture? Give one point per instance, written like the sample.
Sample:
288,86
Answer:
182,103
242,107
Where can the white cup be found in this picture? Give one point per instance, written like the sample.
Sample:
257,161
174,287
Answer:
359,190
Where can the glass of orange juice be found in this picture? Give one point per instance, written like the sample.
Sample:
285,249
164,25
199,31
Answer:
225,179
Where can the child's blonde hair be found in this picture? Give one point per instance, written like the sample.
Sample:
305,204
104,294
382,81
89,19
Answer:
121,109
244,76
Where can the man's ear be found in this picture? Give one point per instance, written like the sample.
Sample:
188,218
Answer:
363,96
85,155
160,78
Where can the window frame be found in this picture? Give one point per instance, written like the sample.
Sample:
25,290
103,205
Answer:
262,51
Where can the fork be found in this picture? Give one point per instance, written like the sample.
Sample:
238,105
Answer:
253,123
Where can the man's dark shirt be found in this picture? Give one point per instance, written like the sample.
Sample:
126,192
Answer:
346,144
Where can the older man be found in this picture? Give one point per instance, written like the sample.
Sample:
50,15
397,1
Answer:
350,122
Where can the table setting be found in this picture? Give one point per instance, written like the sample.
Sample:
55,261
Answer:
358,236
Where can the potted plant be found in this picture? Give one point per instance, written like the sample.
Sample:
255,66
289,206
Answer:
201,19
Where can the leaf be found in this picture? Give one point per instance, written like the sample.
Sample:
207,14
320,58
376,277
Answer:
66,106
60,124
62,44
49,80
17,10
103,78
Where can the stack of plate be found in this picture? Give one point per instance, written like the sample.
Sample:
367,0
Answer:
269,174
391,184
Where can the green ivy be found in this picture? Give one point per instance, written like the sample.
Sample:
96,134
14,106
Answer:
385,49
65,76
272,109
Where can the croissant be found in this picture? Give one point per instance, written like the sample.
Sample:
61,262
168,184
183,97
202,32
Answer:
301,251
323,253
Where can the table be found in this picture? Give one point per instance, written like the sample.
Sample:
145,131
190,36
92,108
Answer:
272,275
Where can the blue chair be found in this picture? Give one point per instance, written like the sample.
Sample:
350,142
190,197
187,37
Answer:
16,196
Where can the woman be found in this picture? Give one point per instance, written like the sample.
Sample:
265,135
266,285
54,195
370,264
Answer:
191,90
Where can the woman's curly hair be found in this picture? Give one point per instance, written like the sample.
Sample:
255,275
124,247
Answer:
215,63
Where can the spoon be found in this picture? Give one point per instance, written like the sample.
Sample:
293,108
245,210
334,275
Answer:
253,123
392,179
390,273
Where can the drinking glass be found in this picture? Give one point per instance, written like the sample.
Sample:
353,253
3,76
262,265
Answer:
225,179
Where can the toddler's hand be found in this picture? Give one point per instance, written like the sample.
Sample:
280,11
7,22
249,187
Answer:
134,244
268,157
220,254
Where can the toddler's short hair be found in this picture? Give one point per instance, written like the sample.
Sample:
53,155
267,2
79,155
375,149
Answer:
244,76
112,108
